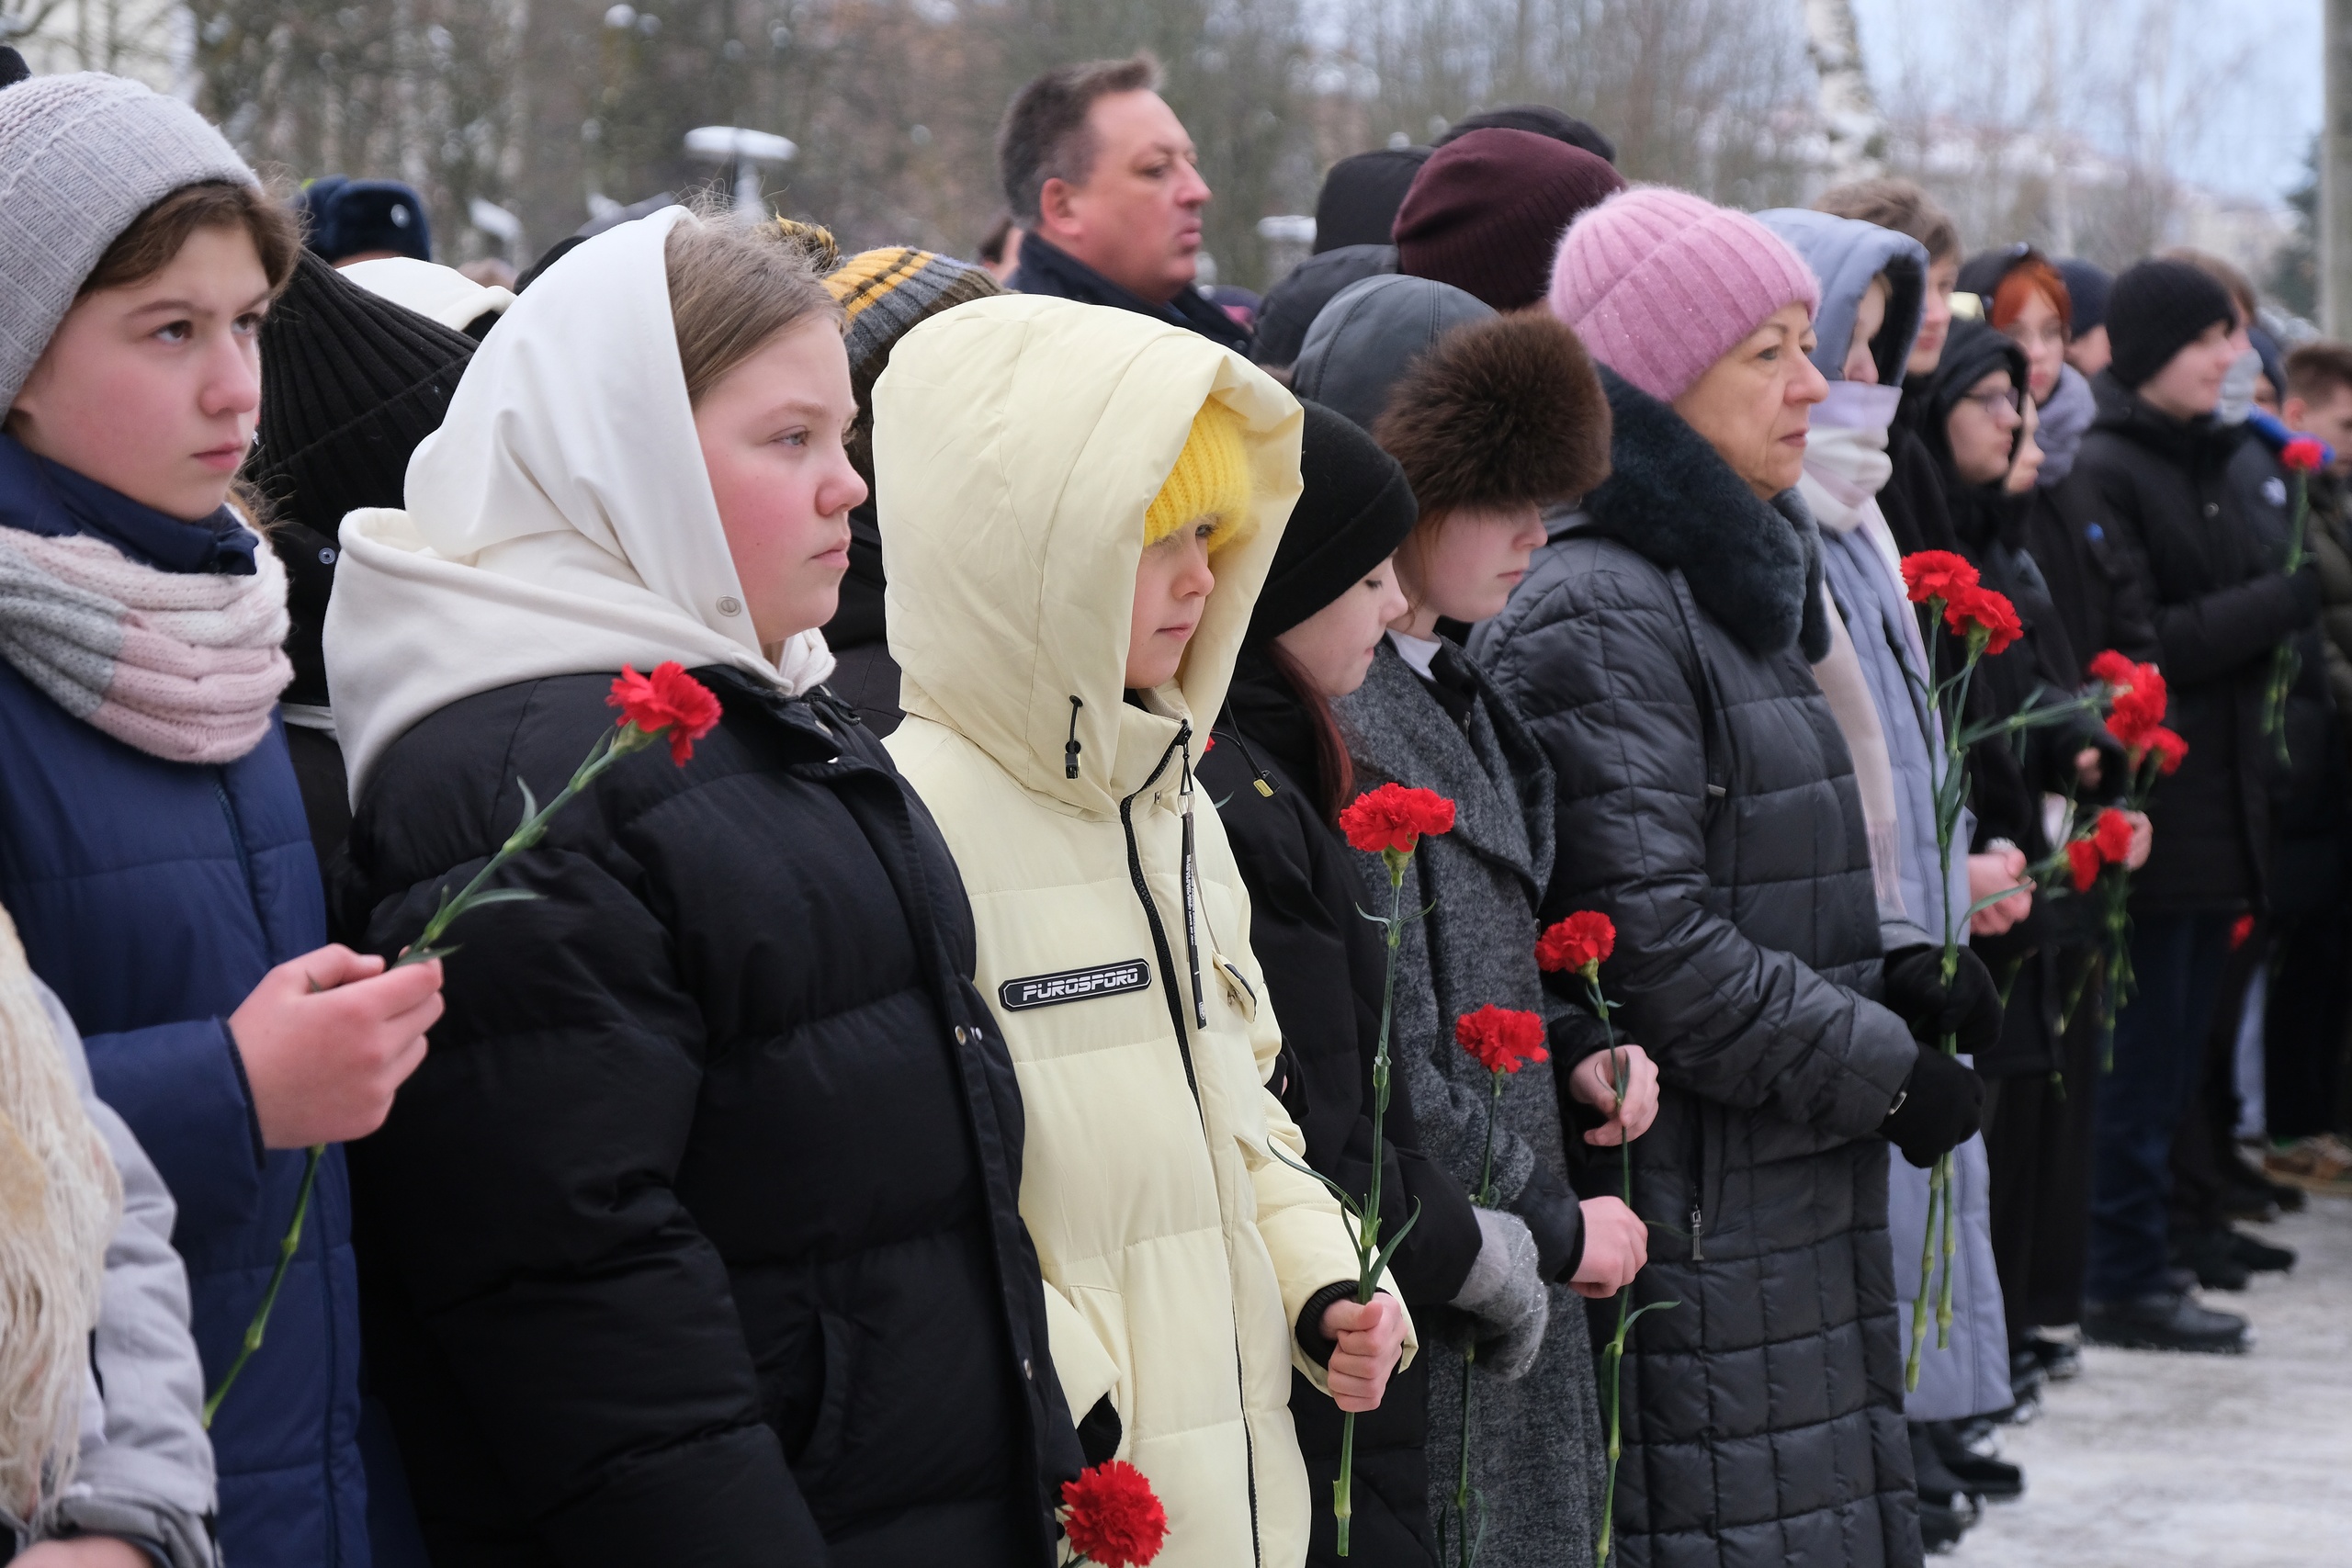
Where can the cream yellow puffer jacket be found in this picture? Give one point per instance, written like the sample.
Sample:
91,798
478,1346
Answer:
1017,442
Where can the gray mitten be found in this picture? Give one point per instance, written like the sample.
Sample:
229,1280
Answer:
1505,1293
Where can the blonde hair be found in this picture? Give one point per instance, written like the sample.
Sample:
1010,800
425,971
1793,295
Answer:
735,287
59,1200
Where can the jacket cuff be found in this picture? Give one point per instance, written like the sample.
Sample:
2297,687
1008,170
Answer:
1554,1219
1318,1345
245,1088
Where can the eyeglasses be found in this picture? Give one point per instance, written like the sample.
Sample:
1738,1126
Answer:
1994,402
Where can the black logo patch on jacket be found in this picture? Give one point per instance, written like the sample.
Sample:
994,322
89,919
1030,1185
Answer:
1074,985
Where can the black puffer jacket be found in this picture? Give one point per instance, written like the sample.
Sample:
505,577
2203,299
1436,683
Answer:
1326,965
2159,491
695,1239
1659,649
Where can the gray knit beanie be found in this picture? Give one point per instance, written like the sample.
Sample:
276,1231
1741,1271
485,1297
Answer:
81,157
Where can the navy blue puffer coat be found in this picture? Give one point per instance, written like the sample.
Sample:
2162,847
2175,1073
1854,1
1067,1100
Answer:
151,897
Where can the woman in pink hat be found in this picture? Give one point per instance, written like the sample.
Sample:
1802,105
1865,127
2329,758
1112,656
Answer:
1660,648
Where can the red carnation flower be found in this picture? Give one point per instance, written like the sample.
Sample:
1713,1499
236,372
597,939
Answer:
1393,818
1113,1517
2170,749
2083,863
2112,668
1936,574
2240,930
2139,704
1972,609
2112,834
2303,454
1501,1038
1580,944
669,699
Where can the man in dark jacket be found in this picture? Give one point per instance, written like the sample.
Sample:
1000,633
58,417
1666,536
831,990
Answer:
1104,182
2153,476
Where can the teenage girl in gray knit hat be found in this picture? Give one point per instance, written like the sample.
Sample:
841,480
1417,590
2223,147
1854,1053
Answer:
152,847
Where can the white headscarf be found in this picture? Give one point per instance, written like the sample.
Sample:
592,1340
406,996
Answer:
559,522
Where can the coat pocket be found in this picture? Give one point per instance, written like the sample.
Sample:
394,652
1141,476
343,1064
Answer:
824,1444
1105,1312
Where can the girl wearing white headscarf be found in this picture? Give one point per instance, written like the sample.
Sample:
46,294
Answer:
698,1240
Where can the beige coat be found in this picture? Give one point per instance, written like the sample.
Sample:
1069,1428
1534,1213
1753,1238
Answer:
1017,444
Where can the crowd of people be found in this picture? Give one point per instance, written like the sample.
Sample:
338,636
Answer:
931,1078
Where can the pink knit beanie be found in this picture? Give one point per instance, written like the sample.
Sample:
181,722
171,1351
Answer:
1660,284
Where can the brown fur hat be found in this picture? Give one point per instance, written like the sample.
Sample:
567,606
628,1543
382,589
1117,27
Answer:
1499,413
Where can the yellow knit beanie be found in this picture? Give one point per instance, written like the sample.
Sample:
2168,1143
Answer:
1210,480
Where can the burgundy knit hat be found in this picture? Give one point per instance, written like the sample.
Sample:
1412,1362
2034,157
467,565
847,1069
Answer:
1486,211
1660,284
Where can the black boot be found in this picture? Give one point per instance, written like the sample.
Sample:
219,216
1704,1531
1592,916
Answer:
2165,1321
2062,1359
2260,1255
2208,1255
1984,1476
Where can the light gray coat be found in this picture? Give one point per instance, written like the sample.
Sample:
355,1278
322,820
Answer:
145,1469
1536,1444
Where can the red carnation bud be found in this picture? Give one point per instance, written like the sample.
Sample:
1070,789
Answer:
1936,574
2303,454
1501,1039
2171,750
2240,931
1581,943
2112,668
667,700
1392,818
1113,1516
2083,863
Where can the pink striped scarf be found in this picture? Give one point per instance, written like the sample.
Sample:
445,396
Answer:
183,666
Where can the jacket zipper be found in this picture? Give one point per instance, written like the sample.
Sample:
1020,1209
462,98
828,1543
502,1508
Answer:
237,841
1699,1183
1183,1042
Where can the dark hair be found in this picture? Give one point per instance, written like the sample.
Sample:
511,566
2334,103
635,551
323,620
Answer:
1540,119
1899,205
155,236
993,242
1045,135
2315,370
1335,774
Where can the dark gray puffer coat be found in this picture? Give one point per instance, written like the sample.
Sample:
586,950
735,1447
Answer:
1659,650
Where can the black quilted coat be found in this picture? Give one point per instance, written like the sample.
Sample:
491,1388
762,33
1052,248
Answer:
1659,648
695,1240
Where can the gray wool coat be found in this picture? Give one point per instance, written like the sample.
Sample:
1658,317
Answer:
1535,1444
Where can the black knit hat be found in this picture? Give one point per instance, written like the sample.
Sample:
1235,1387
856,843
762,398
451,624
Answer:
1353,512
351,382
2155,309
1540,119
2087,285
1361,193
13,67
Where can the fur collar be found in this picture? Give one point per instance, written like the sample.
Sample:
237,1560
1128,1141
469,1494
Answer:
1752,565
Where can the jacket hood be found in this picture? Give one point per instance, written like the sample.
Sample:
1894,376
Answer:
1973,352
1754,565
1017,444
1846,254
559,522
1362,342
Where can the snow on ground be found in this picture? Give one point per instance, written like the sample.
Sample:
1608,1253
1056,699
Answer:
2155,1461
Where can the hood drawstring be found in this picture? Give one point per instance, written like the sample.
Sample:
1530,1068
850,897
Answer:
1072,749
1260,778
1191,878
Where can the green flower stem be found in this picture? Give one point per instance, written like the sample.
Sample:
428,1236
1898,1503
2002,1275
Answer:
609,749
1613,1353
1369,1256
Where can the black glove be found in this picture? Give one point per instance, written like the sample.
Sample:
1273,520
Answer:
1970,1007
2304,582
1099,1434
1941,1106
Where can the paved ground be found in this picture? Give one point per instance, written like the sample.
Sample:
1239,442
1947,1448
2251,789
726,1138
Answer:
2152,1461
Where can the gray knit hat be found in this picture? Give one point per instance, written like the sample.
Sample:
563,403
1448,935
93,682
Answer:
81,157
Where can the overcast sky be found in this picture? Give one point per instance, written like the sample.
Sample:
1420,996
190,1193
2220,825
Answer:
2261,116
